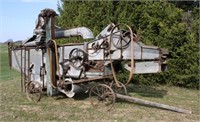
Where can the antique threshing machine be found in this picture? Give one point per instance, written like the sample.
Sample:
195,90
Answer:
69,68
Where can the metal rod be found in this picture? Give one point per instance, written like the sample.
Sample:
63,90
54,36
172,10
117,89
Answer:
43,68
21,73
63,53
92,79
29,77
25,69
53,55
16,58
52,27
10,54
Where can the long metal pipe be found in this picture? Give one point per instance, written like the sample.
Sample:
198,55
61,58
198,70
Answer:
84,32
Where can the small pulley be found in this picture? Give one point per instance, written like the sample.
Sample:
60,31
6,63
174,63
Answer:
77,57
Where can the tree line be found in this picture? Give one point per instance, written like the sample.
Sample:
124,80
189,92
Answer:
167,24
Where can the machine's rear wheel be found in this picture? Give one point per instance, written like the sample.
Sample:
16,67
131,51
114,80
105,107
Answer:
33,91
102,97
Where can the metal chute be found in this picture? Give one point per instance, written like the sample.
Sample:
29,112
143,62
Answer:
70,89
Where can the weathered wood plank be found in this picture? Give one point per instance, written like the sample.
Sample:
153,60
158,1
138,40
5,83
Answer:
153,104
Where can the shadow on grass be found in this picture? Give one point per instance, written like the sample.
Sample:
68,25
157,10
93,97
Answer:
146,91
81,96
139,90
77,96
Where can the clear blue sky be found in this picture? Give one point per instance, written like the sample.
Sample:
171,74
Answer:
17,17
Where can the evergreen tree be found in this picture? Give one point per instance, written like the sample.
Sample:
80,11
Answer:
162,23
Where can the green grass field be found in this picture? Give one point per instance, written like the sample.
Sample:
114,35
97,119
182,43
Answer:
16,107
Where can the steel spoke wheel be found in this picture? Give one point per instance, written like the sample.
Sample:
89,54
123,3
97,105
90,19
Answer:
102,97
33,91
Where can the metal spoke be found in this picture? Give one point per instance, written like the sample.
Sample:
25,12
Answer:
95,92
118,42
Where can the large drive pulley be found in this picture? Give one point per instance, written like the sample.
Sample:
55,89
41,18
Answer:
121,38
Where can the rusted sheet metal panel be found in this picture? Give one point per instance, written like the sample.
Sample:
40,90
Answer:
146,67
98,55
75,73
150,53
68,49
106,31
16,59
142,52
95,54
35,60
137,52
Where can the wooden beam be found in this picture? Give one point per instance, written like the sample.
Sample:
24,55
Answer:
153,104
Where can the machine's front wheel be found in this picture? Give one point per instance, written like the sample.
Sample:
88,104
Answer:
102,97
33,91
